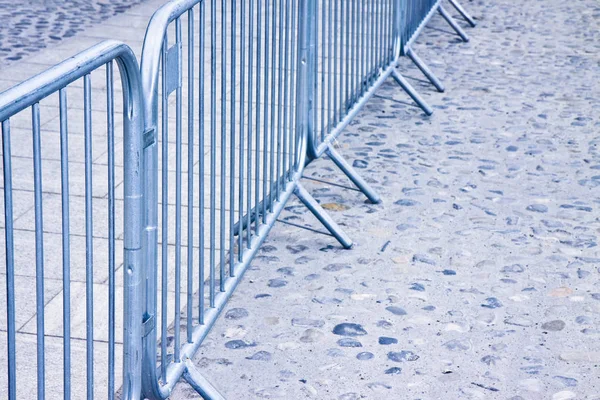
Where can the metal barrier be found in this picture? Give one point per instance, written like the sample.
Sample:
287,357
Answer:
416,15
357,46
466,16
248,113
82,230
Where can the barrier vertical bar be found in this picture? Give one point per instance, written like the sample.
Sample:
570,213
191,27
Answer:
110,133
178,173
89,241
190,169
10,261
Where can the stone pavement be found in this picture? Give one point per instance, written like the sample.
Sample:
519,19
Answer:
477,277
30,26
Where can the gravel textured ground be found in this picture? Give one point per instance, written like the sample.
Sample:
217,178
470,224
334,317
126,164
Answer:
478,276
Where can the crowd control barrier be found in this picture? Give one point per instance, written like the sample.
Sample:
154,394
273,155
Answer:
249,110
75,181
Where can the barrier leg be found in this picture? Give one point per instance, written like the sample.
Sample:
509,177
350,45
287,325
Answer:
462,12
322,216
412,92
351,173
453,23
200,383
425,70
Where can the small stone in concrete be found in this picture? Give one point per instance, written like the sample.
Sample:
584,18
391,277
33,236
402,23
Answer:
402,356
349,329
365,355
239,344
349,342
492,302
311,335
396,310
393,371
236,313
554,326
306,322
540,208
384,340
260,356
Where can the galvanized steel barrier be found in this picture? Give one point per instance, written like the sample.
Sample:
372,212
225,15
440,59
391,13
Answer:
76,170
357,47
233,100
249,111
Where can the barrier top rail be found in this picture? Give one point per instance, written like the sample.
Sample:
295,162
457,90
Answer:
31,91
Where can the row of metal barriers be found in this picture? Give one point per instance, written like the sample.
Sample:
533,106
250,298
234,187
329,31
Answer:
152,188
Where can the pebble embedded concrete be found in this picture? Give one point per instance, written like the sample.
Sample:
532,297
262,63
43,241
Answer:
478,276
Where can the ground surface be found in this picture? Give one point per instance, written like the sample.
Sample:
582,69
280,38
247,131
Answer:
479,274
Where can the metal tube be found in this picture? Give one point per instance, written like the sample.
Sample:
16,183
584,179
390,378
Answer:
190,171
453,24
89,239
178,182
322,216
371,44
223,143
165,213
347,169
110,123
353,56
412,92
335,64
265,135
213,145
250,110
293,100
286,91
257,150
66,247
363,58
242,127
347,61
426,71
232,145
330,72
199,383
462,12
10,261
280,109
201,186
272,179
39,250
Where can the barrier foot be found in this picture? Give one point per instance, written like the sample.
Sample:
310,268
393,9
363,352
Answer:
425,70
351,173
322,216
412,92
453,23
199,383
462,12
